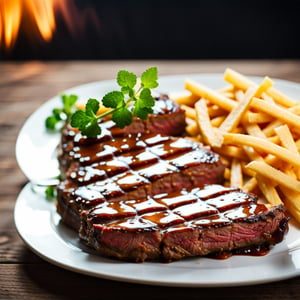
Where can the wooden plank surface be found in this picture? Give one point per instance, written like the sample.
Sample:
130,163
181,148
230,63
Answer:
24,86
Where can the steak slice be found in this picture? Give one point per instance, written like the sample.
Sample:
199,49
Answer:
167,119
159,164
187,223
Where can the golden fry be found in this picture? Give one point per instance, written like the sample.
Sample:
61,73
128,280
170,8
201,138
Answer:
237,112
250,185
189,111
277,112
207,93
259,117
292,202
262,145
268,190
210,136
275,175
185,98
236,176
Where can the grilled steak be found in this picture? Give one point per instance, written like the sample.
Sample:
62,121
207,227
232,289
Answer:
158,164
187,223
143,193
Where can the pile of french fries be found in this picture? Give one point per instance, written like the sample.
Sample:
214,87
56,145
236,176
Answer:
256,130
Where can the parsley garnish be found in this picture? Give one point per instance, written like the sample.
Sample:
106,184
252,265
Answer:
60,115
50,193
128,102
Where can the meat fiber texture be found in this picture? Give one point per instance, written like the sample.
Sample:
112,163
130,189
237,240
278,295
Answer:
137,193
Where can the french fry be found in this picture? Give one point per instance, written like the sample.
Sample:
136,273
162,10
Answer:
254,130
217,121
210,136
277,112
288,142
275,175
237,79
185,98
292,200
226,89
268,190
192,127
239,95
237,112
286,138
216,111
298,144
269,129
262,145
207,93
236,176
232,151
259,117
264,86
189,111
250,185
227,174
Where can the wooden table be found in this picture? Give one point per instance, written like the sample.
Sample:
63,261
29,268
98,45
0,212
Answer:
24,86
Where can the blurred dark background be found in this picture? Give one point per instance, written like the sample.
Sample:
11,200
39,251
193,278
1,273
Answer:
160,29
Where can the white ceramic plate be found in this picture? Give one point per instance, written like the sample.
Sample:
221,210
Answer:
39,225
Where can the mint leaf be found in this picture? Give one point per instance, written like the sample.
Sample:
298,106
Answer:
68,102
92,107
59,115
51,122
147,98
122,117
87,125
87,121
127,90
79,119
113,99
91,129
143,104
50,193
126,79
140,110
149,78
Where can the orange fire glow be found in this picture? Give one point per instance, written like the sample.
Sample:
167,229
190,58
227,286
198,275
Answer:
10,19
42,15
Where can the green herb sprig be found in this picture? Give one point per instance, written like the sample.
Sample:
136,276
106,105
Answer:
51,193
129,101
61,115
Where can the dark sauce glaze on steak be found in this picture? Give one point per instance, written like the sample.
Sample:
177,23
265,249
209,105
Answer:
181,224
141,193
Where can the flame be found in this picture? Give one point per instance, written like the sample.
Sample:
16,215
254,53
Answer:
10,19
42,15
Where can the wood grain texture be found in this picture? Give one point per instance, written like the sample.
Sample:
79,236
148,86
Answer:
24,86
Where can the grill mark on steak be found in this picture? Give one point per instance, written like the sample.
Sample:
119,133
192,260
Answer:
146,179
141,194
194,227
